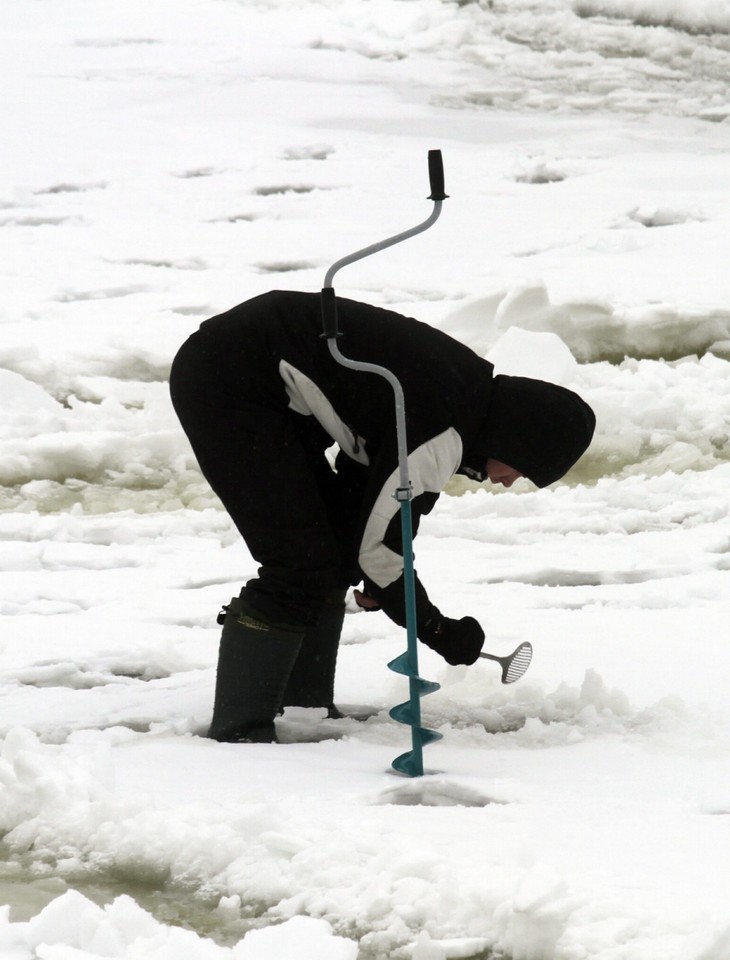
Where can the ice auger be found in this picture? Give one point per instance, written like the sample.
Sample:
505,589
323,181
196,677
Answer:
409,712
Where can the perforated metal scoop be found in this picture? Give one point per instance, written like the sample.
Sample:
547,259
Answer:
515,665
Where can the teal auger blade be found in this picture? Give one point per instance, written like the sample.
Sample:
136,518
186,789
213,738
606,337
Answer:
429,736
409,713
401,664
411,763
404,713
426,686
408,764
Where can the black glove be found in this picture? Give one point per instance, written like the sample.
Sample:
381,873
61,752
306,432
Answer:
457,641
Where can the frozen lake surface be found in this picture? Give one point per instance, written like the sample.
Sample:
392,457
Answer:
171,159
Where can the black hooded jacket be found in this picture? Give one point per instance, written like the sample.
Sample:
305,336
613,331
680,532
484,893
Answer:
458,414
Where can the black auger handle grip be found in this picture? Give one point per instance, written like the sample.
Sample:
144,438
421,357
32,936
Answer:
328,306
436,175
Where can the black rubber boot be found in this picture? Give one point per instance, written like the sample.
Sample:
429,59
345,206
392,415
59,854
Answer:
312,679
255,659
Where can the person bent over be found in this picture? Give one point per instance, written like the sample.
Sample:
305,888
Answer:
261,400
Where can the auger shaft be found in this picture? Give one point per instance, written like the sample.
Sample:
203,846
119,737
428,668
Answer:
409,713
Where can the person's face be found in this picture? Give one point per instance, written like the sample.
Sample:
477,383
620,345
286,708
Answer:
499,472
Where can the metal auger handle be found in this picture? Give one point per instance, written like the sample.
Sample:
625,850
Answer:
329,305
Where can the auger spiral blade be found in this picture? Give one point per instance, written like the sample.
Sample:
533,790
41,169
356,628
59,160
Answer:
411,763
402,665
404,713
409,713
515,665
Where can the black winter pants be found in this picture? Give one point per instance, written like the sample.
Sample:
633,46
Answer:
267,466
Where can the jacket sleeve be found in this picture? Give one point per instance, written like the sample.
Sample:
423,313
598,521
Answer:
380,558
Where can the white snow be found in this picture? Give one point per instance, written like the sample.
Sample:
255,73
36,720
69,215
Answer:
706,16
167,160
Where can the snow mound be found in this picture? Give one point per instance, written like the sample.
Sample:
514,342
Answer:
592,330
542,356
73,925
694,16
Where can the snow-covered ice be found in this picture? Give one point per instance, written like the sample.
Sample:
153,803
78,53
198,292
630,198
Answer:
167,160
